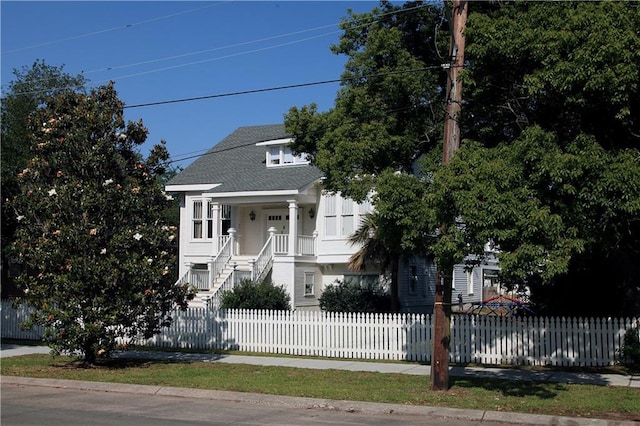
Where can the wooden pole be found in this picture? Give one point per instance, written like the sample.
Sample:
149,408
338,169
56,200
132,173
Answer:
442,303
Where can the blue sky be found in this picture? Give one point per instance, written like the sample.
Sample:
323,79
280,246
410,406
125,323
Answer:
159,51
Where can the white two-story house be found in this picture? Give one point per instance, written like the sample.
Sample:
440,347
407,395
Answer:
251,209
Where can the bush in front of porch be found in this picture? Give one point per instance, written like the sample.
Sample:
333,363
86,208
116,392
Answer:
352,296
250,295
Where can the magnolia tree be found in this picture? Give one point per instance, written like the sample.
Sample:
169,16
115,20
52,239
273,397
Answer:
97,256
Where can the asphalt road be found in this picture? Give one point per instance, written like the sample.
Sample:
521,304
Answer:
36,405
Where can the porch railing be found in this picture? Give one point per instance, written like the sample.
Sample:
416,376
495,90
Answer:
264,259
222,240
220,261
227,285
306,245
198,278
280,243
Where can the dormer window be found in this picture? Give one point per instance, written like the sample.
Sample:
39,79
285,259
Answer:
279,154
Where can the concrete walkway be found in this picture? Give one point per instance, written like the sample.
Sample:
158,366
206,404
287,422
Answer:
7,350
473,416
395,367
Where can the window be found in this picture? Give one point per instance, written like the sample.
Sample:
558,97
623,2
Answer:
347,216
225,218
197,219
490,278
203,220
364,208
309,284
287,155
343,216
281,155
331,220
364,280
469,282
274,155
413,280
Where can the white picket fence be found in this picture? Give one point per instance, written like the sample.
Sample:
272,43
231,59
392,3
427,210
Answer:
474,339
12,316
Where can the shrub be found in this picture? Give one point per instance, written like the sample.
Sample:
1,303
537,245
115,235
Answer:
351,296
630,350
250,295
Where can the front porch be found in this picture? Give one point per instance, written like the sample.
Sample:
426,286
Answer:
227,267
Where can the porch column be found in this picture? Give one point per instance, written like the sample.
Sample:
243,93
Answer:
232,237
214,222
293,227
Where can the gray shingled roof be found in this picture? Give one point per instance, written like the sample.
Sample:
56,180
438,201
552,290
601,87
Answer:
239,165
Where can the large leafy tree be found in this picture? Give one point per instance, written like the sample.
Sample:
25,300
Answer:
553,99
96,252
389,110
548,170
31,87
387,115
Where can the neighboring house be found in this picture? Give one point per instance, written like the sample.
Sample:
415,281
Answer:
251,209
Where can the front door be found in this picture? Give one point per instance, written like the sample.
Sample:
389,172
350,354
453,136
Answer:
278,219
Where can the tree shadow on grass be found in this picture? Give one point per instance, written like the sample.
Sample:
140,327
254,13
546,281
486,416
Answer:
512,388
120,363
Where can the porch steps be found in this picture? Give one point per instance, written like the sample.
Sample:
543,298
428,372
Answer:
201,298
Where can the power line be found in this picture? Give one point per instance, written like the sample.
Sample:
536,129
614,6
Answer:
246,43
199,52
120,27
220,57
235,54
270,89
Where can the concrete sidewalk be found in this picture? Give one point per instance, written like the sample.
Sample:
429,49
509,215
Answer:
473,416
7,350
396,367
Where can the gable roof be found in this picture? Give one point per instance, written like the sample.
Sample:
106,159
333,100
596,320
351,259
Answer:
236,164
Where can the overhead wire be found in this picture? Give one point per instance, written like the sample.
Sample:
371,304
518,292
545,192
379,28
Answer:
200,52
180,157
122,77
231,46
270,89
119,27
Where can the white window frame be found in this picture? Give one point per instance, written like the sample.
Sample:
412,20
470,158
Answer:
470,282
453,278
282,155
331,215
205,219
309,284
197,219
414,281
343,216
347,219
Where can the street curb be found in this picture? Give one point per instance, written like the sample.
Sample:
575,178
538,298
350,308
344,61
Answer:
316,403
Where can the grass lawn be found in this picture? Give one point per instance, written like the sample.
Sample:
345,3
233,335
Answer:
484,394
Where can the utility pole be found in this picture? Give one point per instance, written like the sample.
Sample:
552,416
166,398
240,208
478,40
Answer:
442,303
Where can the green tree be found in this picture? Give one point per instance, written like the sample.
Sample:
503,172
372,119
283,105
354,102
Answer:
30,90
388,112
394,230
553,177
250,295
548,170
386,117
90,232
